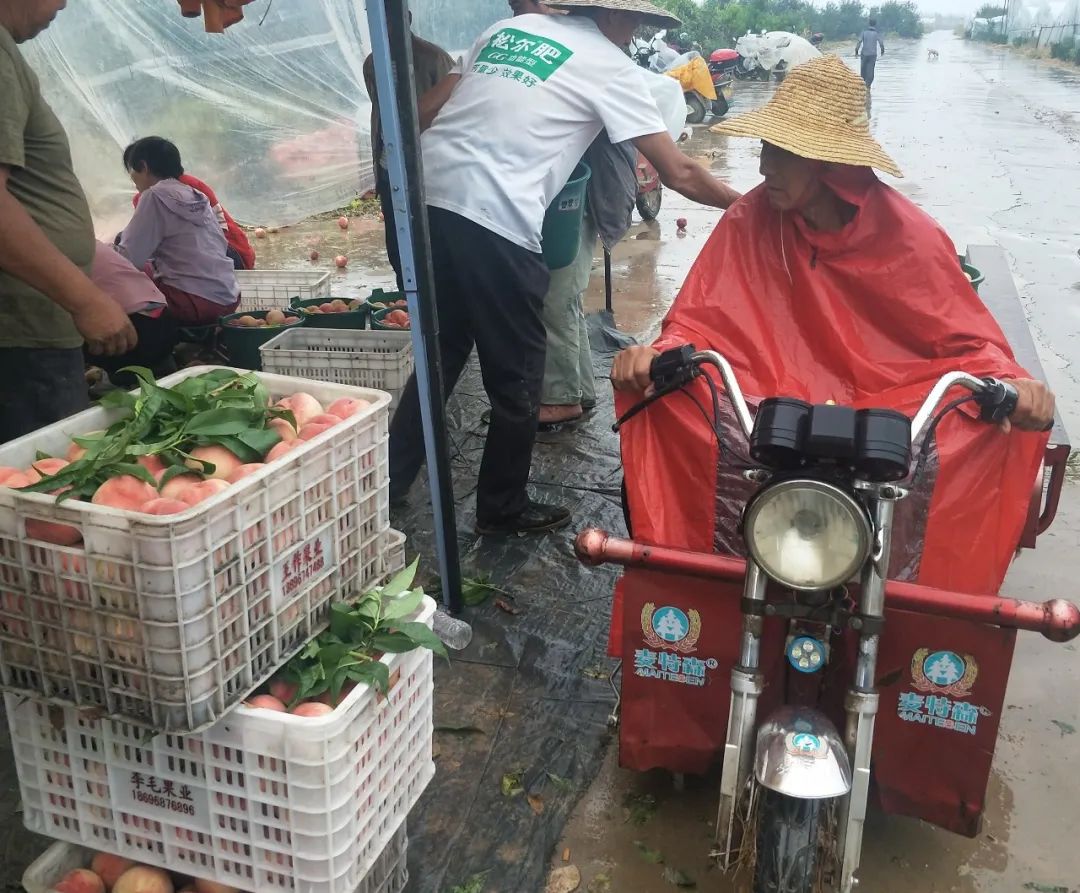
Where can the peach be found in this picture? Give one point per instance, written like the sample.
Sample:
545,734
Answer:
311,431
283,427
49,467
48,532
266,702
224,462
260,232
327,307
313,255
165,506
109,867
21,479
303,406
339,305
283,690
324,418
346,407
343,222
6,471
275,317
143,879
154,464
341,261
203,490
311,708
280,449
244,470
80,881
177,485
124,492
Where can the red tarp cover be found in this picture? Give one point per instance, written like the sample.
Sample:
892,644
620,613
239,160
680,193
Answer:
870,316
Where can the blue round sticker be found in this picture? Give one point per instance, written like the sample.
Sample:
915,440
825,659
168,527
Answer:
670,624
944,668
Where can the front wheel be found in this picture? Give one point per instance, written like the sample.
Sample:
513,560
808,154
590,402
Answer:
648,203
695,109
788,844
720,105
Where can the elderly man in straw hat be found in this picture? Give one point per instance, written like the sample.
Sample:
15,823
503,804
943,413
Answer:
501,139
823,283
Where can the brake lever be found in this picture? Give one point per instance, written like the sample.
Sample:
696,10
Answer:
669,372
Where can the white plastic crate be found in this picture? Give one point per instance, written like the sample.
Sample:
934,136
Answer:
170,620
267,289
389,874
357,357
261,801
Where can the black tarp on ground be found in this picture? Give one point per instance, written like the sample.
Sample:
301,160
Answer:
530,696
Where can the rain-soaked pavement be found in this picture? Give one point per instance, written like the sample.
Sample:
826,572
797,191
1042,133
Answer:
990,143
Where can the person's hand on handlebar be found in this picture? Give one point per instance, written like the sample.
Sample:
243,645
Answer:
631,369
1034,406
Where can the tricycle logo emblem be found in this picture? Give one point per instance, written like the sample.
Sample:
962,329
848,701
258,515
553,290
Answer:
943,672
670,627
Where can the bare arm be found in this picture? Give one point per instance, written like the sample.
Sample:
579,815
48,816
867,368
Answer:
433,100
682,174
27,254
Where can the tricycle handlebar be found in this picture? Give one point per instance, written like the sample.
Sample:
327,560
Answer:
1056,619
674,368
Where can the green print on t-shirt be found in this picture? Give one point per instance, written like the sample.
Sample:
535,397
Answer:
521,56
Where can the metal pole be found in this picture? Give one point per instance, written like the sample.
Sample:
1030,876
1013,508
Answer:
391,44
607,280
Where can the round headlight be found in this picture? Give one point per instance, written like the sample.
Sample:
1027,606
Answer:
807,534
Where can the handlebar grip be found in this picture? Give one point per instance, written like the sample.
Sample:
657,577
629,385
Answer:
997,400
673,368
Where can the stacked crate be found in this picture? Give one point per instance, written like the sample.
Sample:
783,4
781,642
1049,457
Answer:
124,661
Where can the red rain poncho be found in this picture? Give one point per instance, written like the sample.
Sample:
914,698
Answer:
870,316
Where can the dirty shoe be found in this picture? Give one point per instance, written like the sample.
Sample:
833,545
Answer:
536,518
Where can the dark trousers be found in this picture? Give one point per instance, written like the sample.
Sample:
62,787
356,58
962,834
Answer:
867,70
157,338
393,251
490,292
39,386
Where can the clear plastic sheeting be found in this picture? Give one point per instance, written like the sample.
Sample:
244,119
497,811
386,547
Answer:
769,50
272,114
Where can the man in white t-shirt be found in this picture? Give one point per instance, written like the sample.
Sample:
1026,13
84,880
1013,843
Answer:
500,141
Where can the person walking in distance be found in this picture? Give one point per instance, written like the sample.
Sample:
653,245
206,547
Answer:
867,51
48,306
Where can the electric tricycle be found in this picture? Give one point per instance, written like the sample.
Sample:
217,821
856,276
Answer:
818,525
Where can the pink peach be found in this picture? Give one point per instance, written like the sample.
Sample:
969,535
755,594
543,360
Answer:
313,429
311,708
203,490
109,867
266,702
284,429
80,880
48,532
346,407
154,464
303,406
124,492
165,506
143,879
49,467
283,690
244,470
280,449
224,462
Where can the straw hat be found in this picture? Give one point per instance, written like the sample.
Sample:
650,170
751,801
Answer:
654,15
819,112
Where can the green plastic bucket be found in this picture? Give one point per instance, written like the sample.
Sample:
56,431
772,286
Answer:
242,343
561,235
377,320
973,273
352,319
380,300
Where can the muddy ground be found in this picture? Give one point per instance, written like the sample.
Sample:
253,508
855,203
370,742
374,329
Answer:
990,142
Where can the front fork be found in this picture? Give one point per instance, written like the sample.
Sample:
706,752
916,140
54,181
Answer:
861,704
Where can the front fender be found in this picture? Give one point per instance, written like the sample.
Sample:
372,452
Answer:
800,754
